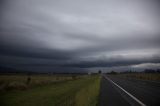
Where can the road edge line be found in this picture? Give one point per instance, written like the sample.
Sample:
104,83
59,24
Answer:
133,97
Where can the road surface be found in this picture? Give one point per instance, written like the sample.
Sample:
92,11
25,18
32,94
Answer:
117,91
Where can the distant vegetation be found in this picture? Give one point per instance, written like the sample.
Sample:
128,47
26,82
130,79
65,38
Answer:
45,90
151,71
112,72
147,74
144,76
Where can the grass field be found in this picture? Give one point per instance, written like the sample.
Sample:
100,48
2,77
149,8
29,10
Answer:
71,91
11,82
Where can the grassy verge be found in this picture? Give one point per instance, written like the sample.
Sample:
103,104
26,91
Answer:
88,96
80,92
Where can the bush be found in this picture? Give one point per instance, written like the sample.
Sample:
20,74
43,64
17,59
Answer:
16,85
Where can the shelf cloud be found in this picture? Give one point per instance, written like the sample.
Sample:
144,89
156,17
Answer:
79,35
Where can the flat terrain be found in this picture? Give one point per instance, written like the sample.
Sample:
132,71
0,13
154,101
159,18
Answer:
147,92
80,91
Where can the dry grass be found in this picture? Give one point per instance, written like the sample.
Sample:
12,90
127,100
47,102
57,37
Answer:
83,91
20,82
88,96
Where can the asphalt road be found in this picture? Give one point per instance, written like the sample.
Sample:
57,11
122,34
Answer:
117,91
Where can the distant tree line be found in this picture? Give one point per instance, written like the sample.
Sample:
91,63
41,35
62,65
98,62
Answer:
130,71
112,72
151,71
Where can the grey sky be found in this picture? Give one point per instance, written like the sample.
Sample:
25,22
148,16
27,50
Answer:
79,33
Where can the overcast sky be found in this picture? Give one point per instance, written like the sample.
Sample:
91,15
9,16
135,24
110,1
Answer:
79,35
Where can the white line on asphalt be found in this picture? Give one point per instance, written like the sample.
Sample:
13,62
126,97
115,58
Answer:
142,104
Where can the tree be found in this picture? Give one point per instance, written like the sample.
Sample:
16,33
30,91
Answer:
99,71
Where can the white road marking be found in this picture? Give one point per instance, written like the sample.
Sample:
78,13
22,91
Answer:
142,104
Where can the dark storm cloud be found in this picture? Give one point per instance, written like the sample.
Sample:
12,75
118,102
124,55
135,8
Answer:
76,34
111,62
